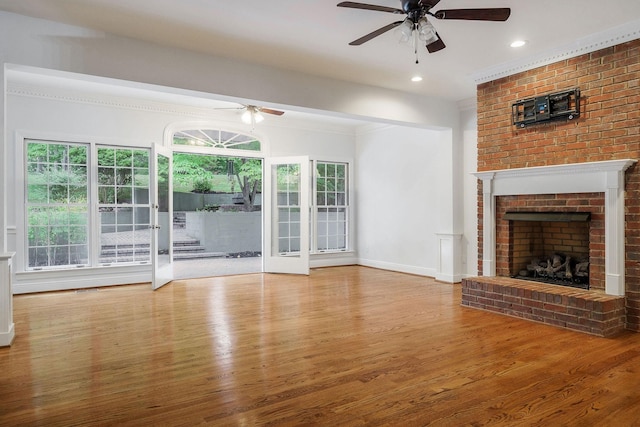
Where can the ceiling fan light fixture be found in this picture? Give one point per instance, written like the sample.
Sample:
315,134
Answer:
247,116
426,31
416,79
404,31
518,43
251,115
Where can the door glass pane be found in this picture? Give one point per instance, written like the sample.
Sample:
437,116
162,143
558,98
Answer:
164,257
286,228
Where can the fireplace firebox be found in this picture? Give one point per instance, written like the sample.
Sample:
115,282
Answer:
550,247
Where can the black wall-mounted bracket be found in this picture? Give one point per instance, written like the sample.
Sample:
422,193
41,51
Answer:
559,105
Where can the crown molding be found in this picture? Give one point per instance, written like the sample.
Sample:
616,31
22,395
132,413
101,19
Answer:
592,43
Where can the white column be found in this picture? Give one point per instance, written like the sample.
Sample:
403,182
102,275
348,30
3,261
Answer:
7,331
488,224
614,249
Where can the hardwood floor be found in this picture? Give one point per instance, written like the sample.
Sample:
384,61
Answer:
346,346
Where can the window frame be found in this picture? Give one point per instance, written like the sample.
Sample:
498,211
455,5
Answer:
174,128
314,207
93,242
27,205
143,259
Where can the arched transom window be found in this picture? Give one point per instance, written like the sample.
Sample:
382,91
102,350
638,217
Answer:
216,138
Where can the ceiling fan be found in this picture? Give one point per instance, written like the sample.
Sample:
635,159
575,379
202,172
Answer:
253,114
416,23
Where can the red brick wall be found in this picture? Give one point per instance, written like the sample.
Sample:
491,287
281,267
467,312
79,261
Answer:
608,129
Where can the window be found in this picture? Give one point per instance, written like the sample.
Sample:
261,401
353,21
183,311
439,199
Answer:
216,138
59,212
331,209
57,207
123,205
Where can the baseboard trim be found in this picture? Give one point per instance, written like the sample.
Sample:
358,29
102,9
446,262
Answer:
6,338
401,268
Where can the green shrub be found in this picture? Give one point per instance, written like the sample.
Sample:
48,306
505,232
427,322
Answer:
201,186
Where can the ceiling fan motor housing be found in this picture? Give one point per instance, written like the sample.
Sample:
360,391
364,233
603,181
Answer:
413,9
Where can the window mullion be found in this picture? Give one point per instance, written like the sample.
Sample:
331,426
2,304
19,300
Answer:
94,221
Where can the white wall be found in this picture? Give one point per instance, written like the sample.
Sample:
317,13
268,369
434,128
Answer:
95,55
411,164
39,111
403,194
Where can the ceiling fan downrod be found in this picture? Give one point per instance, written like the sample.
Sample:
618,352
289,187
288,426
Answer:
415,44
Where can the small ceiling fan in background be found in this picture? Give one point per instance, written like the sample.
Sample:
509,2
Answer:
253,114
416,24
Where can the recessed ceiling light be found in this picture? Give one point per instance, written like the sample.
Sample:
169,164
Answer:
518,43
416,79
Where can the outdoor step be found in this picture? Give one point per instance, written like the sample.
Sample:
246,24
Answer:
145,246
123,251
184,249
193,242
124,246
111,260
176,256
198,255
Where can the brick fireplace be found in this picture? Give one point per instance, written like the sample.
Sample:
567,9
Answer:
607,130
595,188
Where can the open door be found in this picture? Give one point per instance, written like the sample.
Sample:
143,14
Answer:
286,192
162,212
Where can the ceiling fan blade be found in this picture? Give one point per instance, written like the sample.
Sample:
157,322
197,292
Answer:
429,3
489,14
436,45
355,5
375,33
270,111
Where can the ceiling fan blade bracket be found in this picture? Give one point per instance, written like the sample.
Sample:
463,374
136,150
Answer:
428,4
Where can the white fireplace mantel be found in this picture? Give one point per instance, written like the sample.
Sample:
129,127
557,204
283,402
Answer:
593,177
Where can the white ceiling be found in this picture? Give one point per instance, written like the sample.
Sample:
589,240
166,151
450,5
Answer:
312,36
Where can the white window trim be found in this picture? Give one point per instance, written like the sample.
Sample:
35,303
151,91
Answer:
171,129
141,271
314,252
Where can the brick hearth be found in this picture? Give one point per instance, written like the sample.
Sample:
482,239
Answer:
584,311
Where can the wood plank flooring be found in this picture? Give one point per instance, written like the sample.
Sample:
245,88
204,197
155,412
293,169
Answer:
346,346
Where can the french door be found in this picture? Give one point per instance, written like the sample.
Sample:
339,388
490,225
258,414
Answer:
286,208
162,217
286,214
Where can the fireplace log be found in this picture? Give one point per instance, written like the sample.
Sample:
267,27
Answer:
567,272
564,265
549,269
582,269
